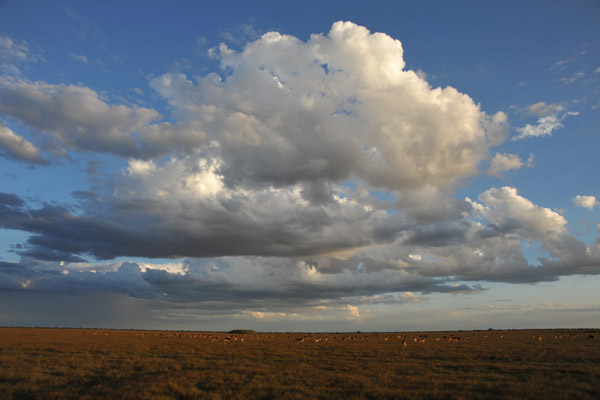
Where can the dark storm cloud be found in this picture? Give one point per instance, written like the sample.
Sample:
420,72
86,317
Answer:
440,234
407,257
215,285
233,227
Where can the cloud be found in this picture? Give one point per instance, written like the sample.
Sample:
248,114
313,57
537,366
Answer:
354,313
571,79
14,51
17,147
76,119
504,162
79,57
483,244
316,173
550,117
505,204
588,202
335,106
542,109
531,160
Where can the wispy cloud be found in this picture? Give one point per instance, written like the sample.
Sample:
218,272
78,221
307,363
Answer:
79,57
550,117
14,51
14,54
571,79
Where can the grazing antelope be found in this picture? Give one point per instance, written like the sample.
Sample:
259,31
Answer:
404,343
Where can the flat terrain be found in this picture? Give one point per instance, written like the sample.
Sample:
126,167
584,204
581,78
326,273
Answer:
88,364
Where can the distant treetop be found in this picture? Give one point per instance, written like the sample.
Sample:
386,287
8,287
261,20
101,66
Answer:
242,331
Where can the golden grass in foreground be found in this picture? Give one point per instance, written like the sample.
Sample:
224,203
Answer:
88,364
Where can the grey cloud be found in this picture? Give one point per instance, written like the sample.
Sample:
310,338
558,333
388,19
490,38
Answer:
14,146
405,255
493,230
10,200
75,118
230,226
224,285
441,234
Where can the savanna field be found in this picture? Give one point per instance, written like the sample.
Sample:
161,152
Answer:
128,364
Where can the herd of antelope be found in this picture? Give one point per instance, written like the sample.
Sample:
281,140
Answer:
402,339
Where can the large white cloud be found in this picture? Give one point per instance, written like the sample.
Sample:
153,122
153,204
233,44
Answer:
336,106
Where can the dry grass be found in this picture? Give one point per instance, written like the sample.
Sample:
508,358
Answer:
89,364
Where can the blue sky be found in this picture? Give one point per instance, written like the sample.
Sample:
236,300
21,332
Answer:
307,166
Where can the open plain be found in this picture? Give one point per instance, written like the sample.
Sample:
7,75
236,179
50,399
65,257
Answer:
128,364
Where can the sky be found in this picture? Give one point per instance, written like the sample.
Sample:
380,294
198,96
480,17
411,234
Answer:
306,166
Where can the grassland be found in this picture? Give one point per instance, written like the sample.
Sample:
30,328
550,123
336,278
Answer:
89,364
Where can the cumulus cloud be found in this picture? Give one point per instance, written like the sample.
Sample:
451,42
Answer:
588,202
336,106
501,206
17,147
504,162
